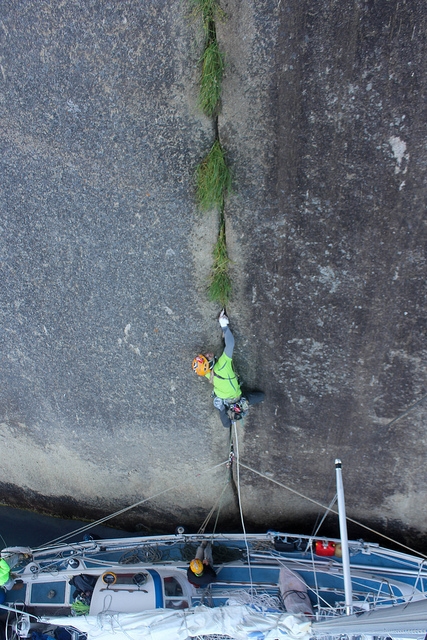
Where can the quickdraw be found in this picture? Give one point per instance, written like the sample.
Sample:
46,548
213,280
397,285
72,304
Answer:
231,457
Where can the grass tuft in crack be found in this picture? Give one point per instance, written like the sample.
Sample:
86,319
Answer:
208,10
212,60
213,179
210,78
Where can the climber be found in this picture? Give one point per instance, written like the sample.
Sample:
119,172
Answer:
229,399
8,580
200,572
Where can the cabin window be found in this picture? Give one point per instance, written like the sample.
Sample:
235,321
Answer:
174,595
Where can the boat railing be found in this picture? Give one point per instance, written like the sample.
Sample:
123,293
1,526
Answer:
417,572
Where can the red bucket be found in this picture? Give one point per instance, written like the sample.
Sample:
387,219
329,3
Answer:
324,548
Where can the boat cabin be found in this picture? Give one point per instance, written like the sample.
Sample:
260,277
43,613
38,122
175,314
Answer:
129,592
123,590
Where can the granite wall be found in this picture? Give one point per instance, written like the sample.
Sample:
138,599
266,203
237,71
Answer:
104,260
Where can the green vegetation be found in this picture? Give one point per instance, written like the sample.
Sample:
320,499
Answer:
210,78
208,10
213,179
212,60
220,286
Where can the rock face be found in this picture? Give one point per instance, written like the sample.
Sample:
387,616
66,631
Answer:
104,259
324,116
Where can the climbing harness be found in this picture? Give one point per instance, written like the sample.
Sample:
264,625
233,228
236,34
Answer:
237,410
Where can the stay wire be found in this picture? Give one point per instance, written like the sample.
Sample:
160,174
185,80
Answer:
405,413
320,519
325,515
125,509
319,504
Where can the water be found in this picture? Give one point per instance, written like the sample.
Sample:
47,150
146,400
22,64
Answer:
28,529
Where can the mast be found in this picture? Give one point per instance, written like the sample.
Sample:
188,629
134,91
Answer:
348,590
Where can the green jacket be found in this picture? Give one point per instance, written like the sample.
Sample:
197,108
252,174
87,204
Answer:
4,571
225,381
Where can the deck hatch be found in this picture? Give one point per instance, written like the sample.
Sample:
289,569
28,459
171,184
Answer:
48,593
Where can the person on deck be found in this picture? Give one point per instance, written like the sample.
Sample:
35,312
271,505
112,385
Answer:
7,581
229,399
200,573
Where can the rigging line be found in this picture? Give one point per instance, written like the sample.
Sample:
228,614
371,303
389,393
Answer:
212,511
360,524
227,481
325,515
402,415
236,440
317,526
132,506
204,524
15,610
284,486
418,577
219,501
316,586
219,508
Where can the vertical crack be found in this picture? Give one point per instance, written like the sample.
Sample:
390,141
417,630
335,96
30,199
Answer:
212,174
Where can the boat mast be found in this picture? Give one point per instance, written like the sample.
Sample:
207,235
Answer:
348,591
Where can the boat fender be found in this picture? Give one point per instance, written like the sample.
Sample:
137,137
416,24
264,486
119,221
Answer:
324,548
338,550
139,579
283,545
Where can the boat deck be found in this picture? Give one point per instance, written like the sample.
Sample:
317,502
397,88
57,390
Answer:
378,576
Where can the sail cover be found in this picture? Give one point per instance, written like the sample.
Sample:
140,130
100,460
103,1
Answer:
400,621
241,622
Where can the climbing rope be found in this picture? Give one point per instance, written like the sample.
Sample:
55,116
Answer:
240,502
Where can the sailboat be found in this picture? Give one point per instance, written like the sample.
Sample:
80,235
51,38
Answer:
269,586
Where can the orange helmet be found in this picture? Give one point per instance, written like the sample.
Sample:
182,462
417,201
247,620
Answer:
201,365
196,566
